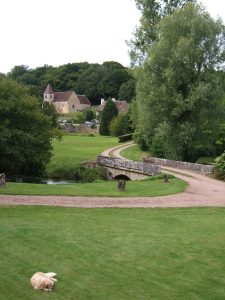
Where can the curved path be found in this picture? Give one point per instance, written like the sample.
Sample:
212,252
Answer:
201,191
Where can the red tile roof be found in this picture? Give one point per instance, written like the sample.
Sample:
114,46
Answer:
122,106
62,96
83,99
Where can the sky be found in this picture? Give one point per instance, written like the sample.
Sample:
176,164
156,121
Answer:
56,32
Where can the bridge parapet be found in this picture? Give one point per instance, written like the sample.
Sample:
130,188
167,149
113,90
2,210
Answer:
129,165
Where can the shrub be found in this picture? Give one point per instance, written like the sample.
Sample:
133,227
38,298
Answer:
205,160
125,137
120,125
79,173
220,166
89,114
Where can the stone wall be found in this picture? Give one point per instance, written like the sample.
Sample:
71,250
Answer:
204,169
129,165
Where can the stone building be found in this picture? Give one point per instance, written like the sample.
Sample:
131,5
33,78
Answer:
66,102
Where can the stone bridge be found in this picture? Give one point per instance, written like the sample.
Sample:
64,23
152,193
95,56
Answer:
127,169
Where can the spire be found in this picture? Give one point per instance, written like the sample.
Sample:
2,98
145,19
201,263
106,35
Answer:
48,90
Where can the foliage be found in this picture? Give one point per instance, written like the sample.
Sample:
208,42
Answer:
77,172
26,131
93,80
205,160
125,137
89,114
127,90
110,111
179,91
120,125
220,166
49,110
144,36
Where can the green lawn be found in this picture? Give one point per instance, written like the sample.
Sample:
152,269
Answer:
104,188
134,153
113,254
75,149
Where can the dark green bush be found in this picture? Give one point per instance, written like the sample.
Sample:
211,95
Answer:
220,166
205,160
125,137
79,173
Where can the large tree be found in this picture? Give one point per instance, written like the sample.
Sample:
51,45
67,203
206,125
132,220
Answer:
110,111
179,88
152,11
26,132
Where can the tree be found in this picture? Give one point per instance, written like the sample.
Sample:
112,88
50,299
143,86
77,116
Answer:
26,132
120,125
110,111
50,111
127,90
152,12
179,89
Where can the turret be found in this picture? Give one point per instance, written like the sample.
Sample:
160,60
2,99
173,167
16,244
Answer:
48,94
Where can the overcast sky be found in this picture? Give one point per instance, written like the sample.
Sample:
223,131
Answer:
56,32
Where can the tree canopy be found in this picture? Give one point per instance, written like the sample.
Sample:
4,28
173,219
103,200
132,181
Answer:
179,89
152,12
94,80
26,131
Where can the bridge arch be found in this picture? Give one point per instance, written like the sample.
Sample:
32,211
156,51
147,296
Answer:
121,177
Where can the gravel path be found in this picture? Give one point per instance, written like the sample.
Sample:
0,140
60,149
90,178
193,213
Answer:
202,191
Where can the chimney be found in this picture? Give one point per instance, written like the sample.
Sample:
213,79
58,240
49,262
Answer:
102,100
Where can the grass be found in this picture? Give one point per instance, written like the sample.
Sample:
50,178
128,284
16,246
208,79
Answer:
134,153
146,188
76,149
113,254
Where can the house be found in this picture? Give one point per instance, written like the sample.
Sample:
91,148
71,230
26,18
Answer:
66,102
122,106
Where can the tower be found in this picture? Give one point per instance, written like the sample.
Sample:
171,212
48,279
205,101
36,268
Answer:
48,94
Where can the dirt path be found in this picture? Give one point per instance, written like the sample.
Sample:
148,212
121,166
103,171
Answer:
201,191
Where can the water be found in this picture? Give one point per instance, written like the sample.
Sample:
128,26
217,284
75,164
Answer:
39,180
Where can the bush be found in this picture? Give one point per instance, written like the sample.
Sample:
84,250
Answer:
120,125
89,114
205,160
220,166
79,173
125,137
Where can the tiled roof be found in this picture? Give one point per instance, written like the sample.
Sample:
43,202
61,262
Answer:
122,106
83,99
62,96
48,90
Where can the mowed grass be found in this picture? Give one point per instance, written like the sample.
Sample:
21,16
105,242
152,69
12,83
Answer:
76,149
134,153
146,188
113,254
